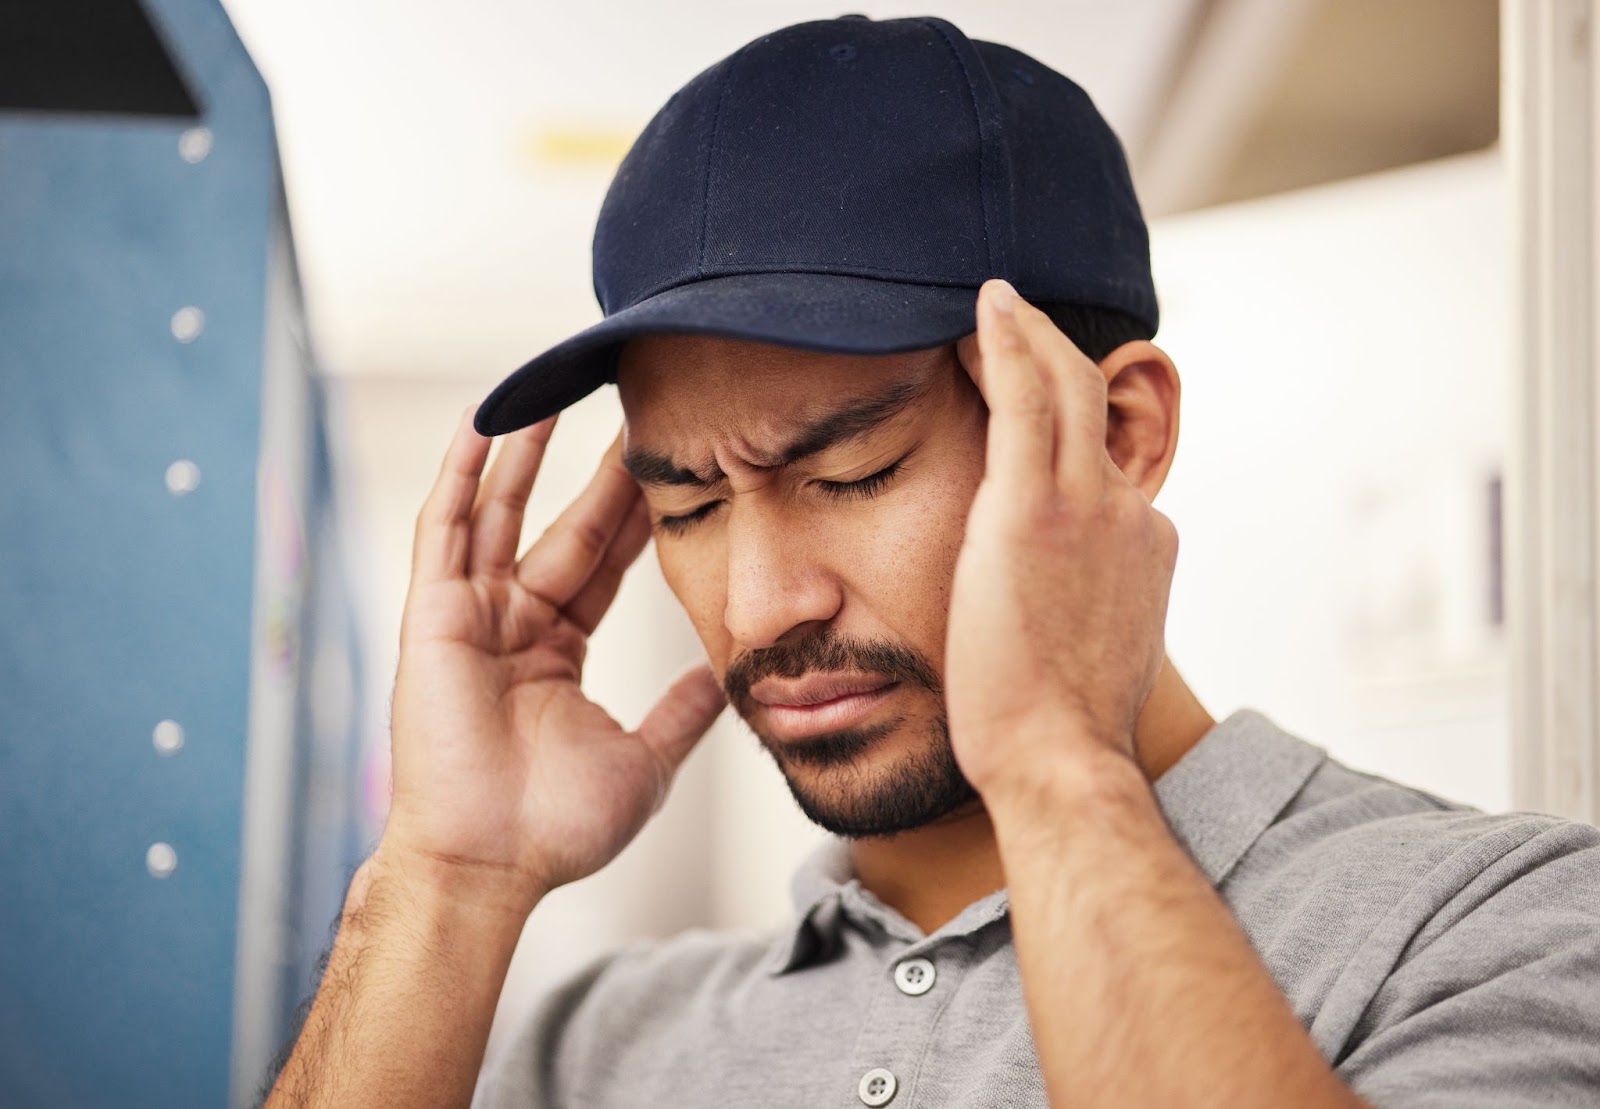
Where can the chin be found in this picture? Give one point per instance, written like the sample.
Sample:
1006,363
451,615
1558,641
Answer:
848,784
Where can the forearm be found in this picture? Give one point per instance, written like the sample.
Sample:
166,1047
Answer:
1142,989
403,1012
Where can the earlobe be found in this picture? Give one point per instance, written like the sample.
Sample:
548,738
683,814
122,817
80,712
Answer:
1143,394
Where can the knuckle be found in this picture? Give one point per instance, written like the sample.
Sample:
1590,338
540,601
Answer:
1124,503
434,513
589,537
1117,511
512,500
1046,511
1030,403
425,519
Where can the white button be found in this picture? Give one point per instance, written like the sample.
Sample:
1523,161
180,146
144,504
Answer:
182,477
877,1087
161,860
914,977
168,737
194,144
187,323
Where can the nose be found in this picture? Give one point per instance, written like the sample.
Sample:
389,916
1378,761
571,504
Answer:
777,582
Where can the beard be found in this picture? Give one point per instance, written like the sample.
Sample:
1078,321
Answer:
825,773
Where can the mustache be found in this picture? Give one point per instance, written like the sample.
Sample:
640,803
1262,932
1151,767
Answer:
826,652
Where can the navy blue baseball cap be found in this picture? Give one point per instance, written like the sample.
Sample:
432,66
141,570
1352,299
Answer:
846,185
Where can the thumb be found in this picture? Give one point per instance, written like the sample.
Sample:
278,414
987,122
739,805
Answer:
683,714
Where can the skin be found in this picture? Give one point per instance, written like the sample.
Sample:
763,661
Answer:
1019,550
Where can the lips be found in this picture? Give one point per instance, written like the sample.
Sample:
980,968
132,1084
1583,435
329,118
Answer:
792,708
815,689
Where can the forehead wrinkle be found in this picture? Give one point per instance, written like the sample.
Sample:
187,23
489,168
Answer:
806,436
848,421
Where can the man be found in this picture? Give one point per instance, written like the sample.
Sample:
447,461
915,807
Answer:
909,514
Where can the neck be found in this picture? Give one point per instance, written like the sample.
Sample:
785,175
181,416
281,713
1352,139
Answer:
929,875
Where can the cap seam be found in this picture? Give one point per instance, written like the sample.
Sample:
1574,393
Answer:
977,126
711,156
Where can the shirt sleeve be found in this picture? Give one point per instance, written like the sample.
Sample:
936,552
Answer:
1496,1003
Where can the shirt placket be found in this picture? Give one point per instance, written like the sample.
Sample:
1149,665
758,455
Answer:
915,984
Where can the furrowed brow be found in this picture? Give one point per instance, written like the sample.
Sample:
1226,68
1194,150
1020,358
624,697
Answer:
859,418
815,436
650,468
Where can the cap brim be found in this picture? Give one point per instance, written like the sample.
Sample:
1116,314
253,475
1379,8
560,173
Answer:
811,311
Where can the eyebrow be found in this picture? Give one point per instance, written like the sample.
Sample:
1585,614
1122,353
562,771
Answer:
830,429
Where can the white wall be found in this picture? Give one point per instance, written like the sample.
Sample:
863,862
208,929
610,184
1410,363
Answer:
1345,357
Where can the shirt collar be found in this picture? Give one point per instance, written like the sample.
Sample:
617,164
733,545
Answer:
1230,787
1218,799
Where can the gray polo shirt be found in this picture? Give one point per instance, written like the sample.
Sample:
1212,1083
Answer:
1437,955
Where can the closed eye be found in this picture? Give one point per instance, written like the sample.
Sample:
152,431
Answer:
865,487
838,490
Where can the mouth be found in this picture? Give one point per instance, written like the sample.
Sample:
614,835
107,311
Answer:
842,710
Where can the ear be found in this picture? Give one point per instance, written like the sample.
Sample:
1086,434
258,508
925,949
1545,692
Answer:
1142,400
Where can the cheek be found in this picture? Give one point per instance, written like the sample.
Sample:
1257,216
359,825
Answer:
696,576
903,558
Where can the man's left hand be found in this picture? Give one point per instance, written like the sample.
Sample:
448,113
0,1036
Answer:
1056,631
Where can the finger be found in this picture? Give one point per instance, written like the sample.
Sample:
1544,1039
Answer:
1079,387
682,716
1021,437
439,544
593,601
503,499
563,559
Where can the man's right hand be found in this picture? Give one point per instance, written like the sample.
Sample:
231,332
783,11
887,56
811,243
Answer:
505,774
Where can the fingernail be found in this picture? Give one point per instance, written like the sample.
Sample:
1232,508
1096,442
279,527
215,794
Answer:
1006,301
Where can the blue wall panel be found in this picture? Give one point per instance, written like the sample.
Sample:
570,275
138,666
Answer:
121,603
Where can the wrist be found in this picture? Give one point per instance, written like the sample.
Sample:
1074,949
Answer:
436,887
1054,803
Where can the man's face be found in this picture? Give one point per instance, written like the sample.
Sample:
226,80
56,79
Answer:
808,510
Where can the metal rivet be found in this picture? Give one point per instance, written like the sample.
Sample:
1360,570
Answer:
161,860
182,477
194,144
168,737
187,323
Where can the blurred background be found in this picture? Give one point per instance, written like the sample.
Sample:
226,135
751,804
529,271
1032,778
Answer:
236,332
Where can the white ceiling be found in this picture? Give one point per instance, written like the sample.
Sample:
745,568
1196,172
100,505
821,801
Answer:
433,241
